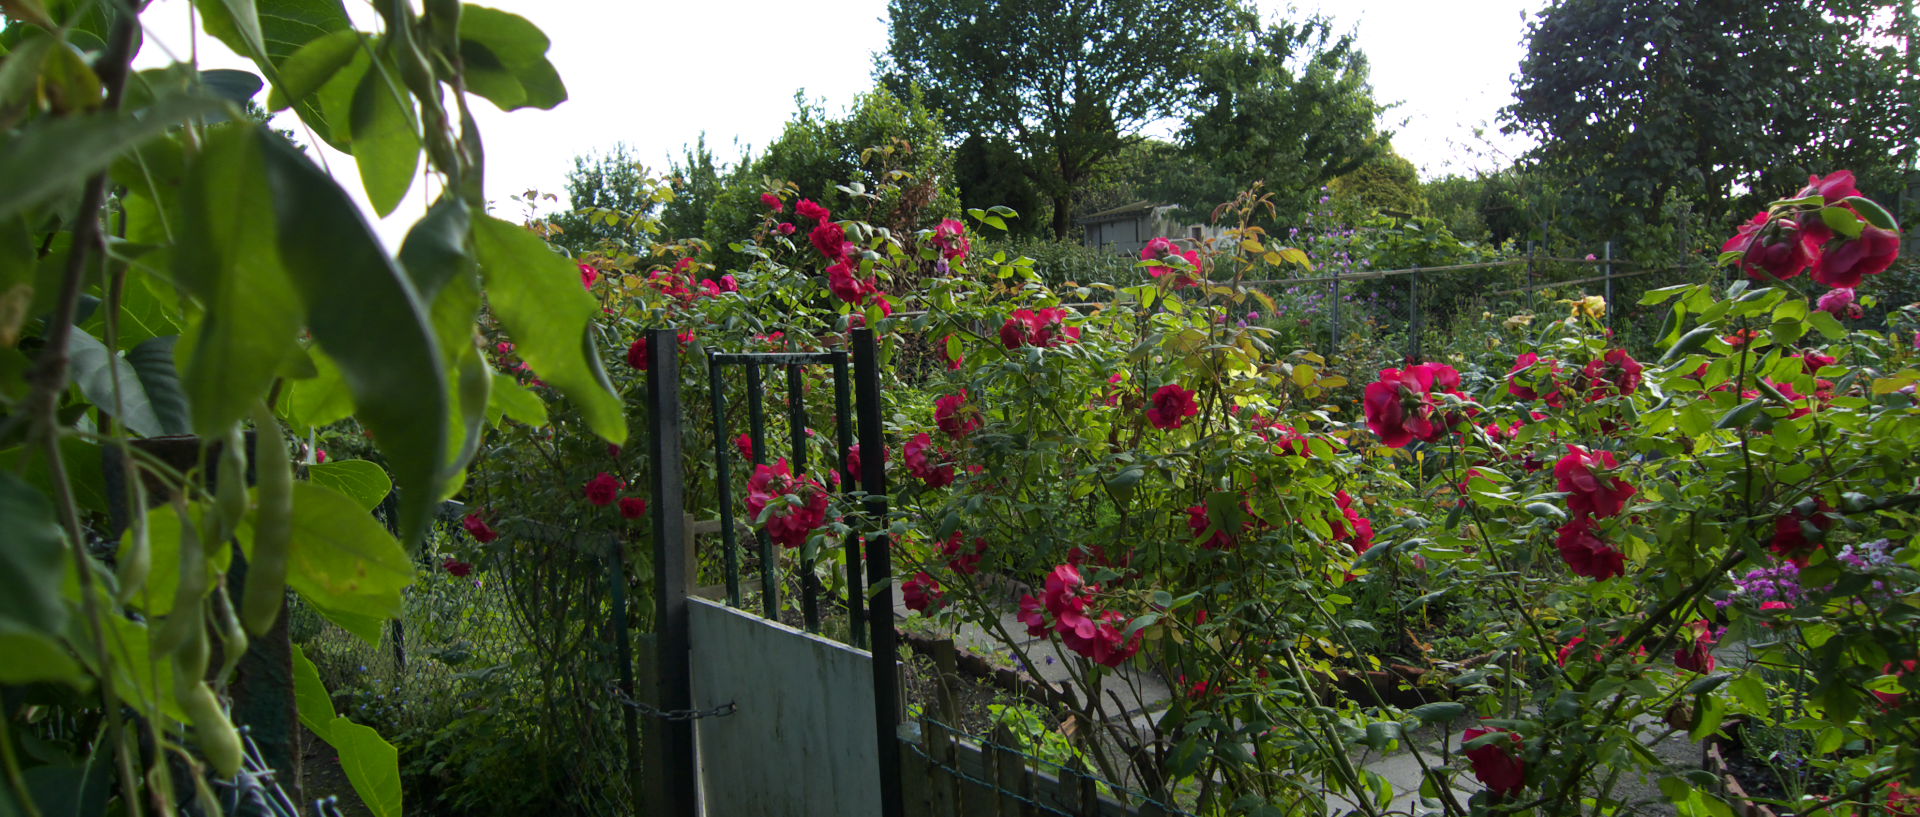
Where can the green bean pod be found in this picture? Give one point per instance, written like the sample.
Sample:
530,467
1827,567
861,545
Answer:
136,559
266,589
212,731
233,637
230,488
185,618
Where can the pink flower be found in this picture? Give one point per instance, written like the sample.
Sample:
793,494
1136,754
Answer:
773,202
1400,408
791,525
1031,616
1497,763
934,470
1586,554
1045,328
1548,390
922,592
844,285
1356,530
637,354
952,414
1198,522
785,228
728,283
588,275
1162,249
320,455
457,567
1615,373
1589,492
831,240
951,237
602,489
1840,304
1698,655
807,208
478,528
1772,247
1172,405
959,557
632,507
1845,262
1833,187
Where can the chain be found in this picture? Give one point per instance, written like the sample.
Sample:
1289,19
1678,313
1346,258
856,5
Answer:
652,711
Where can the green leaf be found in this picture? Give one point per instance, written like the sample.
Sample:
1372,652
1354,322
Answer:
386,138
1440,713
310,69
310,698
228,261
371,763
1827,325
534,292
441,267
343,561
283,26
512,400
163,577
1873,213
85,475
33,561
51,155
1742,415
1842,221
150,402
33,657
359,480
365,315
1688,343
505,60
322,399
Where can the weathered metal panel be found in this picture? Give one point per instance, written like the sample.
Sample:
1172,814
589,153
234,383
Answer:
802,742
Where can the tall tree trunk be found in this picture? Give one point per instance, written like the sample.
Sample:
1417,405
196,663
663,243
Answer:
1062,213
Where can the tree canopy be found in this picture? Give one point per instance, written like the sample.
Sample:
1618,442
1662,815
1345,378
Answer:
1067,81
1639,103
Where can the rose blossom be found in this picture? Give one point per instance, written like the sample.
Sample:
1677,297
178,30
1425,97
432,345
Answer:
1171,406
1586,554
1588,492
1497,763
602,489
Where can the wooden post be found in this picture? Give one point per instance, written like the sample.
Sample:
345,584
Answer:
680,793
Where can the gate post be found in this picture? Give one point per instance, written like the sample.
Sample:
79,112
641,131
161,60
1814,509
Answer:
679,794
873,479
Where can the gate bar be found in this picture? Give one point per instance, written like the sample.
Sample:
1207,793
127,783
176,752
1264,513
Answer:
757,430
679,783
843,434
797,427
873,478
728,540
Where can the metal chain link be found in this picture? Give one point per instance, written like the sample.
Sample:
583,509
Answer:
652,711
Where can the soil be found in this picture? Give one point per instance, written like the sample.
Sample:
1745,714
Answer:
321,776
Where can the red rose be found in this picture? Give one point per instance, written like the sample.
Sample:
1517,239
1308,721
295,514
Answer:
1031,616
1615,373
1586,554
1790,529
602,489
1832,187
806,207
922,592
959,557
320,454
637,354
951,237
785,228
1163,249
1400,408
1697,656
831,240
1198,522
1172,405
952,414
1356,530
478,528
845,285
1497,762
1845,262
632,507
728,283
1772,247
935,473
773,202
457,567
791,525
1549,390
1890,700
588,275
1588,492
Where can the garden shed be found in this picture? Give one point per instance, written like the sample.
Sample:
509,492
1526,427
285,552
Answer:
1127,228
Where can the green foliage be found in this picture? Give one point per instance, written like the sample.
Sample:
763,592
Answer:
1067,85
1637,104
1386,183
1286,105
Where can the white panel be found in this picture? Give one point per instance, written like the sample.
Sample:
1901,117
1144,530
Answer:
802,743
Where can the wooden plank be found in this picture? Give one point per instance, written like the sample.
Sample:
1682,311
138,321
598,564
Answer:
946,662
943,796
1010,772
915,772
977,795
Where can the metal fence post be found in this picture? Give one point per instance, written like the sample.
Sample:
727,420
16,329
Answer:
679,783
1333,331
1606,269
1533,294
873,478
1413,316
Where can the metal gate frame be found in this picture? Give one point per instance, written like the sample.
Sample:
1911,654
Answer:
678,783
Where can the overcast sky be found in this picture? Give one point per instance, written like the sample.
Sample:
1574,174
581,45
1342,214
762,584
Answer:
654,75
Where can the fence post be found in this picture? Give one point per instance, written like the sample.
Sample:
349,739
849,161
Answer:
881,636
1333,331
1413,317
1606,269
1533,295
680,783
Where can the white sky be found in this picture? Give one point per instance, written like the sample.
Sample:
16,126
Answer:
654,75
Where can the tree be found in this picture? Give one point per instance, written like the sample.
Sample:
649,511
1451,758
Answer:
1069,82
1287,105
990,171
1637,104
696,180
1385,182
613,182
